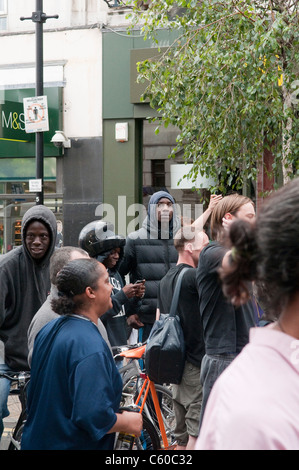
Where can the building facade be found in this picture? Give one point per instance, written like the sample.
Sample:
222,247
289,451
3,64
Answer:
116,159
73,86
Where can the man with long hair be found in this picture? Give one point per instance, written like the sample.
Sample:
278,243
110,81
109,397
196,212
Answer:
225,327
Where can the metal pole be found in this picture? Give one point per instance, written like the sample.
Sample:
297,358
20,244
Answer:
39,90
39,18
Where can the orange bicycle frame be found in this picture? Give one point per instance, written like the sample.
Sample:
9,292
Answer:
147,386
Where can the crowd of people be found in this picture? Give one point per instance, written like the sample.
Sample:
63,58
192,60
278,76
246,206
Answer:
63,310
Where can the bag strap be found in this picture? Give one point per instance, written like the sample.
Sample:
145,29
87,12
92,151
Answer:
177,289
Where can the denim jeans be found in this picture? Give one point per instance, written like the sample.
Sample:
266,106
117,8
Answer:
4,392
211,367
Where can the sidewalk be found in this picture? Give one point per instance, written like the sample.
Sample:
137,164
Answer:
10,421
14,407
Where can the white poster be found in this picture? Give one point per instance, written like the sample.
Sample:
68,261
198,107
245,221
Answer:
36,114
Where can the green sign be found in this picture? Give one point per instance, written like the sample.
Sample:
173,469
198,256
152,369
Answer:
14,141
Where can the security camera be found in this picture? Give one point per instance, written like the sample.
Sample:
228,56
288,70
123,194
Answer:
60,140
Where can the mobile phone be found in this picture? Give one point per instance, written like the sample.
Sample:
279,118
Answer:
140,281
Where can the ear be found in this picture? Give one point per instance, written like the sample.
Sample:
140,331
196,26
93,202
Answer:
228,216
89,292
188,247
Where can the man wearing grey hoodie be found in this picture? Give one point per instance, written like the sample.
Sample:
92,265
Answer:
24,286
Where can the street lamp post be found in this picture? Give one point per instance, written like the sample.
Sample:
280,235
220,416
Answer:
39,18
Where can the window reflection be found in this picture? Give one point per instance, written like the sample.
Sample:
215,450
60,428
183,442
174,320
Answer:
15,201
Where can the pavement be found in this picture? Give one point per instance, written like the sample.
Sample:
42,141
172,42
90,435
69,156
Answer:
10,421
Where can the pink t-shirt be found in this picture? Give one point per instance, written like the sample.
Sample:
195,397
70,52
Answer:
254,404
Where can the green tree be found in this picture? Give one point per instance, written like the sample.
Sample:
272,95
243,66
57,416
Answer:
229,82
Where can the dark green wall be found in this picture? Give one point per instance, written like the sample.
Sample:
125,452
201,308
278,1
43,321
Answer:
122,168
122,162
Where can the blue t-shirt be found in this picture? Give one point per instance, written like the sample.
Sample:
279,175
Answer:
74,391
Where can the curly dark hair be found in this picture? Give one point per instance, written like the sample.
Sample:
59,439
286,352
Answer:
72,280
266,252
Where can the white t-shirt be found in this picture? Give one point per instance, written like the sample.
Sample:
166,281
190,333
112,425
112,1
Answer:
254,404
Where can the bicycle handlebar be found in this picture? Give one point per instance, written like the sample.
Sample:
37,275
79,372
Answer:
15,376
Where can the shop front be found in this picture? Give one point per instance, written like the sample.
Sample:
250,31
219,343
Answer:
17,163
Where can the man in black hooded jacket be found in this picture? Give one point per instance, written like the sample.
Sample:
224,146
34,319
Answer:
149,252
24,286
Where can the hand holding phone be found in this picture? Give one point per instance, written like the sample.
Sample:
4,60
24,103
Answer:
141,290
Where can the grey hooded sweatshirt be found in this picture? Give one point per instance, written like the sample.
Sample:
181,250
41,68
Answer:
24,286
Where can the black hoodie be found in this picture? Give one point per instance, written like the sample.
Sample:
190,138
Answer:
24,286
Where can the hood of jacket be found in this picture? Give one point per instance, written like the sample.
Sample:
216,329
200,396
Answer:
42,214
151,223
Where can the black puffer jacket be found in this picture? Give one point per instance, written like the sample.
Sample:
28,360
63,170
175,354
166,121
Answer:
148,255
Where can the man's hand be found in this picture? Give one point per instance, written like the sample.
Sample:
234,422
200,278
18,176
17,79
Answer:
134,322
134,290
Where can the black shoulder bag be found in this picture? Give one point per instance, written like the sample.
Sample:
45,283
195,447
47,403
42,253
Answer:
165,349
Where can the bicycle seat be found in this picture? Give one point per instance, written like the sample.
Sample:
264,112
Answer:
136,353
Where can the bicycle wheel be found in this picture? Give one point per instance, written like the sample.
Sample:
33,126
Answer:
166,405
129,388
149,438
15,443
168,415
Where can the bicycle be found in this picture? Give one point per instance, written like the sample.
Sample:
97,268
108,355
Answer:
18,387
152,400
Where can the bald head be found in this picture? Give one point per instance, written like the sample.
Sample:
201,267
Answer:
61,257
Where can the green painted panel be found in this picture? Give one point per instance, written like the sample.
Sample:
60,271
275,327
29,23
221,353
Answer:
116,76
14,141
139,55
122,170
22,169
119,75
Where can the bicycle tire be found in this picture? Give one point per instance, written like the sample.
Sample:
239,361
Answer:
15,443
149,438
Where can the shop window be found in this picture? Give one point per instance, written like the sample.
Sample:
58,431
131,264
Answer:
16,230
3,7
3,15
158,173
